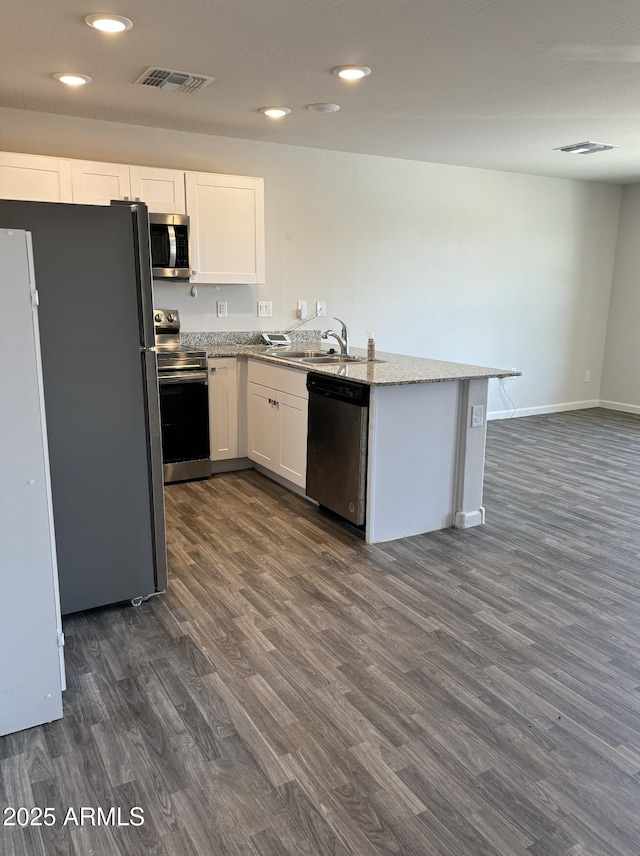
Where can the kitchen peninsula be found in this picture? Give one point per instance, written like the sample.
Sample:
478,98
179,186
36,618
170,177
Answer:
426,434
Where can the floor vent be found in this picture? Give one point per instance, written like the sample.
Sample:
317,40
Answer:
170,80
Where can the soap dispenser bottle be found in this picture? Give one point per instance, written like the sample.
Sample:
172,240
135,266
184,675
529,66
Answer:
371,347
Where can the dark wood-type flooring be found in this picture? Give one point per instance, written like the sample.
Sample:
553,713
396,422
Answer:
299,693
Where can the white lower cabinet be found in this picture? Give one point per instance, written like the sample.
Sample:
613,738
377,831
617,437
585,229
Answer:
223,408
291,437
261,412
277,420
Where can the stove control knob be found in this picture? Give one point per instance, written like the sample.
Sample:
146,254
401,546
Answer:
158,317
171,318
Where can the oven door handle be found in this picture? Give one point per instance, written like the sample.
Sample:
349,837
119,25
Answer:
182,377
184,366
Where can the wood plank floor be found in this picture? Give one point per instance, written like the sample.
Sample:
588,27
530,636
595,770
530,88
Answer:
300,693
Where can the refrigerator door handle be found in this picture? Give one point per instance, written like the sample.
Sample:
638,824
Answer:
154,452
142,240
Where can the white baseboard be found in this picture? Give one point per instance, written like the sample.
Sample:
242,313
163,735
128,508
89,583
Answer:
618,405
547,408
467,519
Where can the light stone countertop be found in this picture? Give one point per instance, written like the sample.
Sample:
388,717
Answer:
387,370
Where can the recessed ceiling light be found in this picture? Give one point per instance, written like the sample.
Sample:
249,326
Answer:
109,23
586,148
72,79
275,112
323,108
352,72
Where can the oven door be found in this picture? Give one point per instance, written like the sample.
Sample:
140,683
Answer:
184,418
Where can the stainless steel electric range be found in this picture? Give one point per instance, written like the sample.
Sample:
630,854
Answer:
184,402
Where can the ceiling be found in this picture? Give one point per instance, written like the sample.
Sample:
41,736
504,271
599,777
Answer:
495,84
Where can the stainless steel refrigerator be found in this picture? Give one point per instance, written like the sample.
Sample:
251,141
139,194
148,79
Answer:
93,278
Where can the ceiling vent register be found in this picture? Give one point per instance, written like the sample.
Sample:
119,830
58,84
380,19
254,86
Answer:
170,80
586,148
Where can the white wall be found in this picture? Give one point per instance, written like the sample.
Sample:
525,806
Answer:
459,264
621,373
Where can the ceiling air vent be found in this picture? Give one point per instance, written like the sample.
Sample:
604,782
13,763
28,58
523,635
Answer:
170,80
586,148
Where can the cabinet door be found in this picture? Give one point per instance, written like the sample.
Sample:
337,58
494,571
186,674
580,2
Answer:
292,438
34,178
227,228
223,409
99,183
261,424
161,189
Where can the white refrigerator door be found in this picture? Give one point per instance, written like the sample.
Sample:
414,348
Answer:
32,669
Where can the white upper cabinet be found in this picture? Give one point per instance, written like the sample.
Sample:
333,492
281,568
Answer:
227,228
226,211
161,189
99,183
34,178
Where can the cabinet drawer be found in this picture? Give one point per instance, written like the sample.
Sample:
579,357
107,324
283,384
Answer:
293,381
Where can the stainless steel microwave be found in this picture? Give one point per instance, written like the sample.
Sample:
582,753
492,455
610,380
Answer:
170,246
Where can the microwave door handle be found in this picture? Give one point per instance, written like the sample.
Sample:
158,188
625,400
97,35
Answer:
172,246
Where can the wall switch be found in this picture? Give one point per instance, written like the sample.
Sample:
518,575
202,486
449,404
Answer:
587,377
265,309
221,306
477,415
321,308
301,311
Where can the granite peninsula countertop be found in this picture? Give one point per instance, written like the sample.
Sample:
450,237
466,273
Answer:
387,370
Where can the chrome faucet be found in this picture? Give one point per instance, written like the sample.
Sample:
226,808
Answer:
342,339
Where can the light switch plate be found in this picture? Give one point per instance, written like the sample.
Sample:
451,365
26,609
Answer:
221,306
265,309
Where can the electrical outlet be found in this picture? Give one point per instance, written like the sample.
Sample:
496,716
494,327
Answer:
477,415
587,376
321,308
265,309
301,311
221,306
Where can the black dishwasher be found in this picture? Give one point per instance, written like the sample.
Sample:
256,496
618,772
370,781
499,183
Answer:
337,445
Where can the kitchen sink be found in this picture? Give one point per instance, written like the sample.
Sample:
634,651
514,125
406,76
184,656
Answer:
333,358
298,355
315,357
